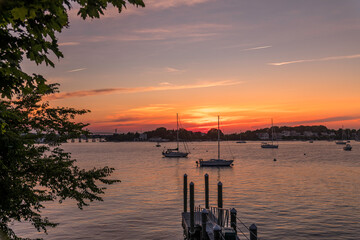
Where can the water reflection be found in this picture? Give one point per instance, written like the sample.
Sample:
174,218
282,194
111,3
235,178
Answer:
286,198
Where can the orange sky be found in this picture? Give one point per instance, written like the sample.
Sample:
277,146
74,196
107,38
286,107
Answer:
247,61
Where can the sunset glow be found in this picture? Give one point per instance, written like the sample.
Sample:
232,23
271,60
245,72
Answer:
247,61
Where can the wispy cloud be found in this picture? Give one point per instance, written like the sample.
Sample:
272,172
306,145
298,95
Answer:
150,114
163,4
323,120
172,70
165,83
76,70
69,44
316,60
152,5
181,32
257,48
141,89
153,108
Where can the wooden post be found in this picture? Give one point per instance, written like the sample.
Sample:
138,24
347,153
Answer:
206,191
192,205
204,214
220,204
233,219
217,232
253,232
220,195
185,192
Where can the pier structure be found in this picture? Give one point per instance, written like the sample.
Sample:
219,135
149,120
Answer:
212,222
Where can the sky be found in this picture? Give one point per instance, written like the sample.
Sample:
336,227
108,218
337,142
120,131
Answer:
296,62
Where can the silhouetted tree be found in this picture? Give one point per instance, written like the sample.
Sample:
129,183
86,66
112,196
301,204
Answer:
31,174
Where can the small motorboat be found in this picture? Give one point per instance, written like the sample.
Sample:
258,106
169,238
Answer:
347,147
269,145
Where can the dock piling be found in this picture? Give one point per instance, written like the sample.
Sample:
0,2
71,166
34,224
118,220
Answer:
253,232
185,192
220,204
217,232
204,216
233,219
192,206
206,191
220,195
216,223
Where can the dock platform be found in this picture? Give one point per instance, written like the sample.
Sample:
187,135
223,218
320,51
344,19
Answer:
212,223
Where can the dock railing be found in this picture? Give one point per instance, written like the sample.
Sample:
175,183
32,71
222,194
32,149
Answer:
213,222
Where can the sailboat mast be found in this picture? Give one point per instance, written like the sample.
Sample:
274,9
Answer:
272,132
177,131
218,137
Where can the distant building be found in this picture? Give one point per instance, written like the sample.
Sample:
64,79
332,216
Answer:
143,137
286,133
294,133
263,136
278,136
308,134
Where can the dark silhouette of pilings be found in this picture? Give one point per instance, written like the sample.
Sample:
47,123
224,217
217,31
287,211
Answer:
206,191
204,216
220,195
217,232
220,204
192,208
253,232
185,192
233,219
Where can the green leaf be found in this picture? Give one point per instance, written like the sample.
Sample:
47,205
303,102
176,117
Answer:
19,13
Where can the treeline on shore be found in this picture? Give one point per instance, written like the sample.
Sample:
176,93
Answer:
280,133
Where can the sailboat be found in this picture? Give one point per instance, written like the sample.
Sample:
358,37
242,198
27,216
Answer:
174,152
216,162
342,141
241,141
270,145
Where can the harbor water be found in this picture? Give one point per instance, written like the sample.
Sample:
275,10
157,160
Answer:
312,191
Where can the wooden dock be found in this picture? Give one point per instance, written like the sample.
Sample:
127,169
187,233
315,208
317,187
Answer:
212,223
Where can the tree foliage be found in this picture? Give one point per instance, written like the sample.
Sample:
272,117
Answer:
32,173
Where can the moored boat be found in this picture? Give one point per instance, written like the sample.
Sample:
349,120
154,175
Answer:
174,152
348,147
270,145
216,162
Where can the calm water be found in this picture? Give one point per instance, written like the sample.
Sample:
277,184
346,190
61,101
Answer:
312,196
